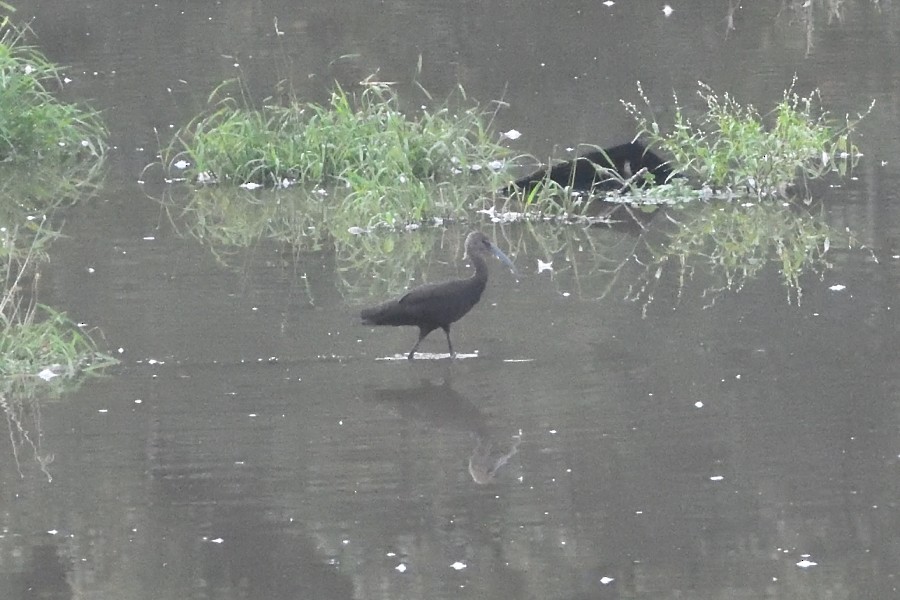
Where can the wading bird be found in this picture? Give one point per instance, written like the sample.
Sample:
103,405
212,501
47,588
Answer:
436,305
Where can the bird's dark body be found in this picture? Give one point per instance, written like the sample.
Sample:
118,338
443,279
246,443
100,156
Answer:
438,305
430,306
598,170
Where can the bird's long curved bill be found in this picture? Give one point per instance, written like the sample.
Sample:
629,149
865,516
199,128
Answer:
504,259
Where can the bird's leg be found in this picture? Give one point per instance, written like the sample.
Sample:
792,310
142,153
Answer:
422,334
449,344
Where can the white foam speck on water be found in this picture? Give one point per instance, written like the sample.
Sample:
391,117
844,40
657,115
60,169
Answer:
837,287
401,567
459,566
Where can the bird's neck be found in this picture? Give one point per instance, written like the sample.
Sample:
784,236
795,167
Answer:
481,269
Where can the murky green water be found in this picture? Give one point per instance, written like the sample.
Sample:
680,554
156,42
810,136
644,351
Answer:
617,435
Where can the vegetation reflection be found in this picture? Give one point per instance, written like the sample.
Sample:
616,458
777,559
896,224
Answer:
731,244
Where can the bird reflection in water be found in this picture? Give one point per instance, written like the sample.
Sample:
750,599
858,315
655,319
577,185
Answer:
439,405
484,464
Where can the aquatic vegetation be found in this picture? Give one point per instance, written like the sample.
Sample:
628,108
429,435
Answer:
34,125
378,162
36,341
51,152
737,151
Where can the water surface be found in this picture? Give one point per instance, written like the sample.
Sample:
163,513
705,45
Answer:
602,444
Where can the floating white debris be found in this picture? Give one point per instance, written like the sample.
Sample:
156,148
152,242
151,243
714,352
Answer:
512,134
356,230
48,374
91,270
475,168
459,566
608,3
149,238
698,404
401,567
250,185
668,10
716,478
805,564
412,227
218,540
153,361
205,177
181,164
495,165
837,287
607,580
53,531
544,266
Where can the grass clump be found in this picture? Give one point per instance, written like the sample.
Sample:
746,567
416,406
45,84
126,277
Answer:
33,123
385,164
735,150
36,340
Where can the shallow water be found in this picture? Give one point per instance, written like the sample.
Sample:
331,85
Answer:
595,442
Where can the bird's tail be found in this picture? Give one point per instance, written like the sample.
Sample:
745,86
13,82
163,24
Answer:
383,314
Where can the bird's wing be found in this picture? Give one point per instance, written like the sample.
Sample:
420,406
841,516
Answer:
421,294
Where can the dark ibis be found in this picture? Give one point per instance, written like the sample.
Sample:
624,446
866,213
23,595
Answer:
436,305
599,170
